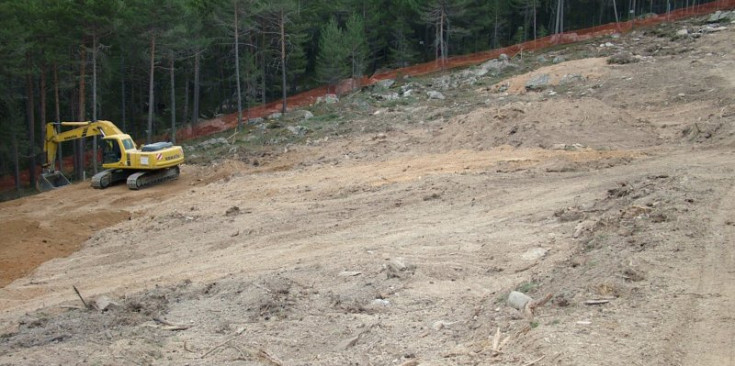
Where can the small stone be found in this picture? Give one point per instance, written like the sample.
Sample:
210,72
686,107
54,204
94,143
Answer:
534,254
518,300
380,302
385,84
432,94
232,211
104,303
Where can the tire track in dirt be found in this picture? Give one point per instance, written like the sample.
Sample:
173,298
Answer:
710,337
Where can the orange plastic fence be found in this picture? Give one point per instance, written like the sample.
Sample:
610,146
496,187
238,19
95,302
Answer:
309,97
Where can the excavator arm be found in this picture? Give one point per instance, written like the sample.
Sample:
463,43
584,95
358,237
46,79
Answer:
81,130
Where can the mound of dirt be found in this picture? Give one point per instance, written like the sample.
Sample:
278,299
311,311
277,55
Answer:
588,122
589,69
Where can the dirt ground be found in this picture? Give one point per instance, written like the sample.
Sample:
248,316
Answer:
399,242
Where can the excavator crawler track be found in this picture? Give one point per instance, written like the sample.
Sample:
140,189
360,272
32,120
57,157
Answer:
148,178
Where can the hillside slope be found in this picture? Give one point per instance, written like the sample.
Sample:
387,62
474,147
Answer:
394,233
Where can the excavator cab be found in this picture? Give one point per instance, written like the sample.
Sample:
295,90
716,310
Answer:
111,153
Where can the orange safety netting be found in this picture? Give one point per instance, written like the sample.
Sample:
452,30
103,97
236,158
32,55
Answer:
310,97
307,98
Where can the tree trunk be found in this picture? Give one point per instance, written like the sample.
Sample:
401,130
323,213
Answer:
283,62
122,99
79,159
151,96
57,102
31,125
495,30
615,9
173,98
237,71
186,101
195,107
42,101
94,101
16,161
535,34
442,45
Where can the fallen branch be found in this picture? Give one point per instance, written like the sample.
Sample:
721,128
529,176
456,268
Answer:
170,326
497,344
86,306
531,306
216,347
534,361
596,302
237,333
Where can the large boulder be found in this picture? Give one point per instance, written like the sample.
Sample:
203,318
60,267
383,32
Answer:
538,82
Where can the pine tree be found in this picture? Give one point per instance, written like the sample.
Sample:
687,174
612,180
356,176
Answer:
356,43
332,60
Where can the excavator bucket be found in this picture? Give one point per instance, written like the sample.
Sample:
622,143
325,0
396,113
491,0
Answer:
49,181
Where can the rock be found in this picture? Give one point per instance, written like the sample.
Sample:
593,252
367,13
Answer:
720,16
569,214
432,94
518,300
397,268
583,227
711,29
385,84
542,59
347,343
213,142
481,72
558,59
570,78
103,303
408,93
386,96
232,211
503,57
622,58
534,254
276,115
328,99
441,324
494,67
443,82
297,130
538,82
300,113
380,302
682,32
631,274
256,121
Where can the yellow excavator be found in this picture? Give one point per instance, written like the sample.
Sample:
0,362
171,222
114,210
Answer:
121,158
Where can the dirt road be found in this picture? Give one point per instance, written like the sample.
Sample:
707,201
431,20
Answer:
399,241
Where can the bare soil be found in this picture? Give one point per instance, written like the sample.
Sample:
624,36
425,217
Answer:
398,240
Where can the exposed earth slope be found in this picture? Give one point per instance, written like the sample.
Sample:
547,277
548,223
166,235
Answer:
396,238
